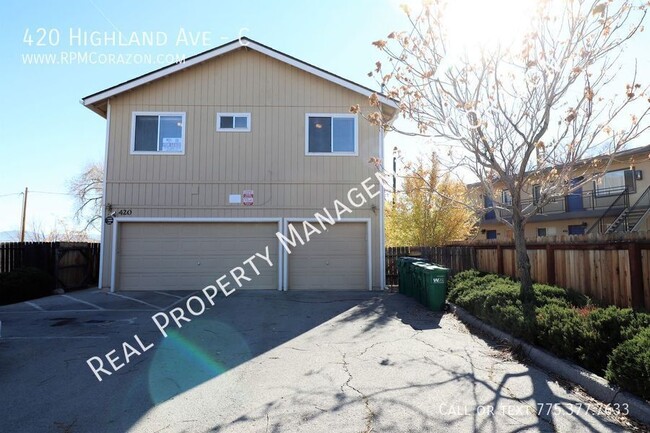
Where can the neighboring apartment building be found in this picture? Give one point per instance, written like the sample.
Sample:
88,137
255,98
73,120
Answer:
618,201
207,160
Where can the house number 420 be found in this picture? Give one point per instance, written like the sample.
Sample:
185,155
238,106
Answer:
123,212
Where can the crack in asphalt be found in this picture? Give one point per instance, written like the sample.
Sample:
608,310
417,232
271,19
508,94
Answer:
364,398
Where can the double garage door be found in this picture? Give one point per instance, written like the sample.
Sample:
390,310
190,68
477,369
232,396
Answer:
192,255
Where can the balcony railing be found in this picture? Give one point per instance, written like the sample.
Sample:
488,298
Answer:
600,199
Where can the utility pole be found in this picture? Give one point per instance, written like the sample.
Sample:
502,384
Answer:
394,173
24,217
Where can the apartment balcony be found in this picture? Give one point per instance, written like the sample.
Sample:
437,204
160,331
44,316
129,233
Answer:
581,204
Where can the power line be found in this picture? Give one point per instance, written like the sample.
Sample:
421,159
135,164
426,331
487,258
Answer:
51,192
37,192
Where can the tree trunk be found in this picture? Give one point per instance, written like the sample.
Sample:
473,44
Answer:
523,272
523,263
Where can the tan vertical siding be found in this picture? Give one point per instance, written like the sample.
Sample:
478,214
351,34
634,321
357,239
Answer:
270,159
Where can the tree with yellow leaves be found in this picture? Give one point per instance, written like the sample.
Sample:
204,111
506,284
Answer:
427,210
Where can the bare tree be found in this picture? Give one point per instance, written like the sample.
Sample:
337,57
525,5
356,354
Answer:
87,188
61,232
532,109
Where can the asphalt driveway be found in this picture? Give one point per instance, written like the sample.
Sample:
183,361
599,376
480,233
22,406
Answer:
268,362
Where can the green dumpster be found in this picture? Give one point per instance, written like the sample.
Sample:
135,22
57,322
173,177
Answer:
435,283
406,274
414,277
421,276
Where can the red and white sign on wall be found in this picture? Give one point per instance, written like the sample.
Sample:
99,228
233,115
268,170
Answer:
247,197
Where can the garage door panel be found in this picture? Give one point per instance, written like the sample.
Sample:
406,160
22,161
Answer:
179,264
180,241
189,256
333,260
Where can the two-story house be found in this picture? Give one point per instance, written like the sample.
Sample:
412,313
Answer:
208,160
616,201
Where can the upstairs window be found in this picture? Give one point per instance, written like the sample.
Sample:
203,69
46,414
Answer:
331,134
506,197
234,122
537,193
154,133
614,182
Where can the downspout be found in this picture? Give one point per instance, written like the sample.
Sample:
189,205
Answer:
102,241
382,240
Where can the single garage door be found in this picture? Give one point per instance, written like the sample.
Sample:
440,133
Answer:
190,256
336,259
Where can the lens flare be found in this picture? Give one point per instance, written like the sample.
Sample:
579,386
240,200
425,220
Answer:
192,355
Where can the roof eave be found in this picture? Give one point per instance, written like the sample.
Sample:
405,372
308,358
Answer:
91,101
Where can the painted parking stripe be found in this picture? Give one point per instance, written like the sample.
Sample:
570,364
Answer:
169,294
180,300
33,305
82,301
135,300
130,310
72,337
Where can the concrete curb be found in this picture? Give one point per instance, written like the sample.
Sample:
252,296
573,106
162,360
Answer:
595,385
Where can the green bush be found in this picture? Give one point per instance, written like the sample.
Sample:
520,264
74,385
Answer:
610,340
629,365
546,294
564,331
639,322
24,284
469,281
608,325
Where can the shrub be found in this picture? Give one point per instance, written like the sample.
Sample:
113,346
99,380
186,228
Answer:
629,365
639,322
469,281
604,340
608,325
564,332
546,294
24,284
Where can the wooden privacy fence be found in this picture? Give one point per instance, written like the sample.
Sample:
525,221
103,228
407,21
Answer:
612,269
72,264
455,257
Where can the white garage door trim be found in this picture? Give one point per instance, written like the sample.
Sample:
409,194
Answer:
118,220
284,256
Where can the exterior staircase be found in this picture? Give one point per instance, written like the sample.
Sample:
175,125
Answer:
629,220
614,210
618,222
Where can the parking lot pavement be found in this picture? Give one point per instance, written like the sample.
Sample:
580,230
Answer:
267,361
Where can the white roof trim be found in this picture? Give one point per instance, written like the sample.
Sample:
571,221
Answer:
98,97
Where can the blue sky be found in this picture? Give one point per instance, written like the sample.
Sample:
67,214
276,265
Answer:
49,137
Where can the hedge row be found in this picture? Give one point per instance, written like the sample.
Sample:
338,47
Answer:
24,284
610,341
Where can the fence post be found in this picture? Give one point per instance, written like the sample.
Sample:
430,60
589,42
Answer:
550,264
499,259
636,275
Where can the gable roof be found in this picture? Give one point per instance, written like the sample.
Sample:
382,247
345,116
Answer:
97,101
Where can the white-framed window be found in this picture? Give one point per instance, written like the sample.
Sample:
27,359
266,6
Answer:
614,182
537,193
506,197
155,133
331,134
234,122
